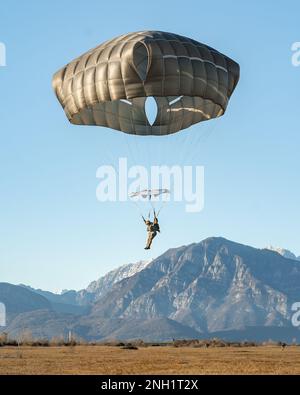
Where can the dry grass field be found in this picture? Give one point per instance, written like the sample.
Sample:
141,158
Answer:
149,360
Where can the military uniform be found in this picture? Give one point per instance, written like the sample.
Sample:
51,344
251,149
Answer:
152,229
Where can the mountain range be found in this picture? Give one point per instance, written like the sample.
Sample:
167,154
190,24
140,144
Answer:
213,288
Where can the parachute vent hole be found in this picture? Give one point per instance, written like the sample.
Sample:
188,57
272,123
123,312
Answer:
151,109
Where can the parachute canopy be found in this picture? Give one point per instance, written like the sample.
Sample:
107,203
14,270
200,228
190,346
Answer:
149,193
107,86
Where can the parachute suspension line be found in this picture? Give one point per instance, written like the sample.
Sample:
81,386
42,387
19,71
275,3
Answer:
140,211
182,141
150,200
130,150
160,108
195,140
183,134
137,149
108,158
199,141
146,157
130,153
138,208
188,143
196,137
202,140
161,207
148,147
168,142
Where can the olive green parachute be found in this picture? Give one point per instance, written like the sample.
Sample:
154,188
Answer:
108,85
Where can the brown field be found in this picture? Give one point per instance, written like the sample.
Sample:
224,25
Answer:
149,360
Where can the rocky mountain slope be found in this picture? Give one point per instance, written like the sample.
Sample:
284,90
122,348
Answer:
210,286
192,291
99,288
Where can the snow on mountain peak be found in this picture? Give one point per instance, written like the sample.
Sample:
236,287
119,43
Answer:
103,284
283,252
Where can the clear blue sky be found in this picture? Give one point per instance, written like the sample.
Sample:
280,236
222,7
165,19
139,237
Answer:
54,234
